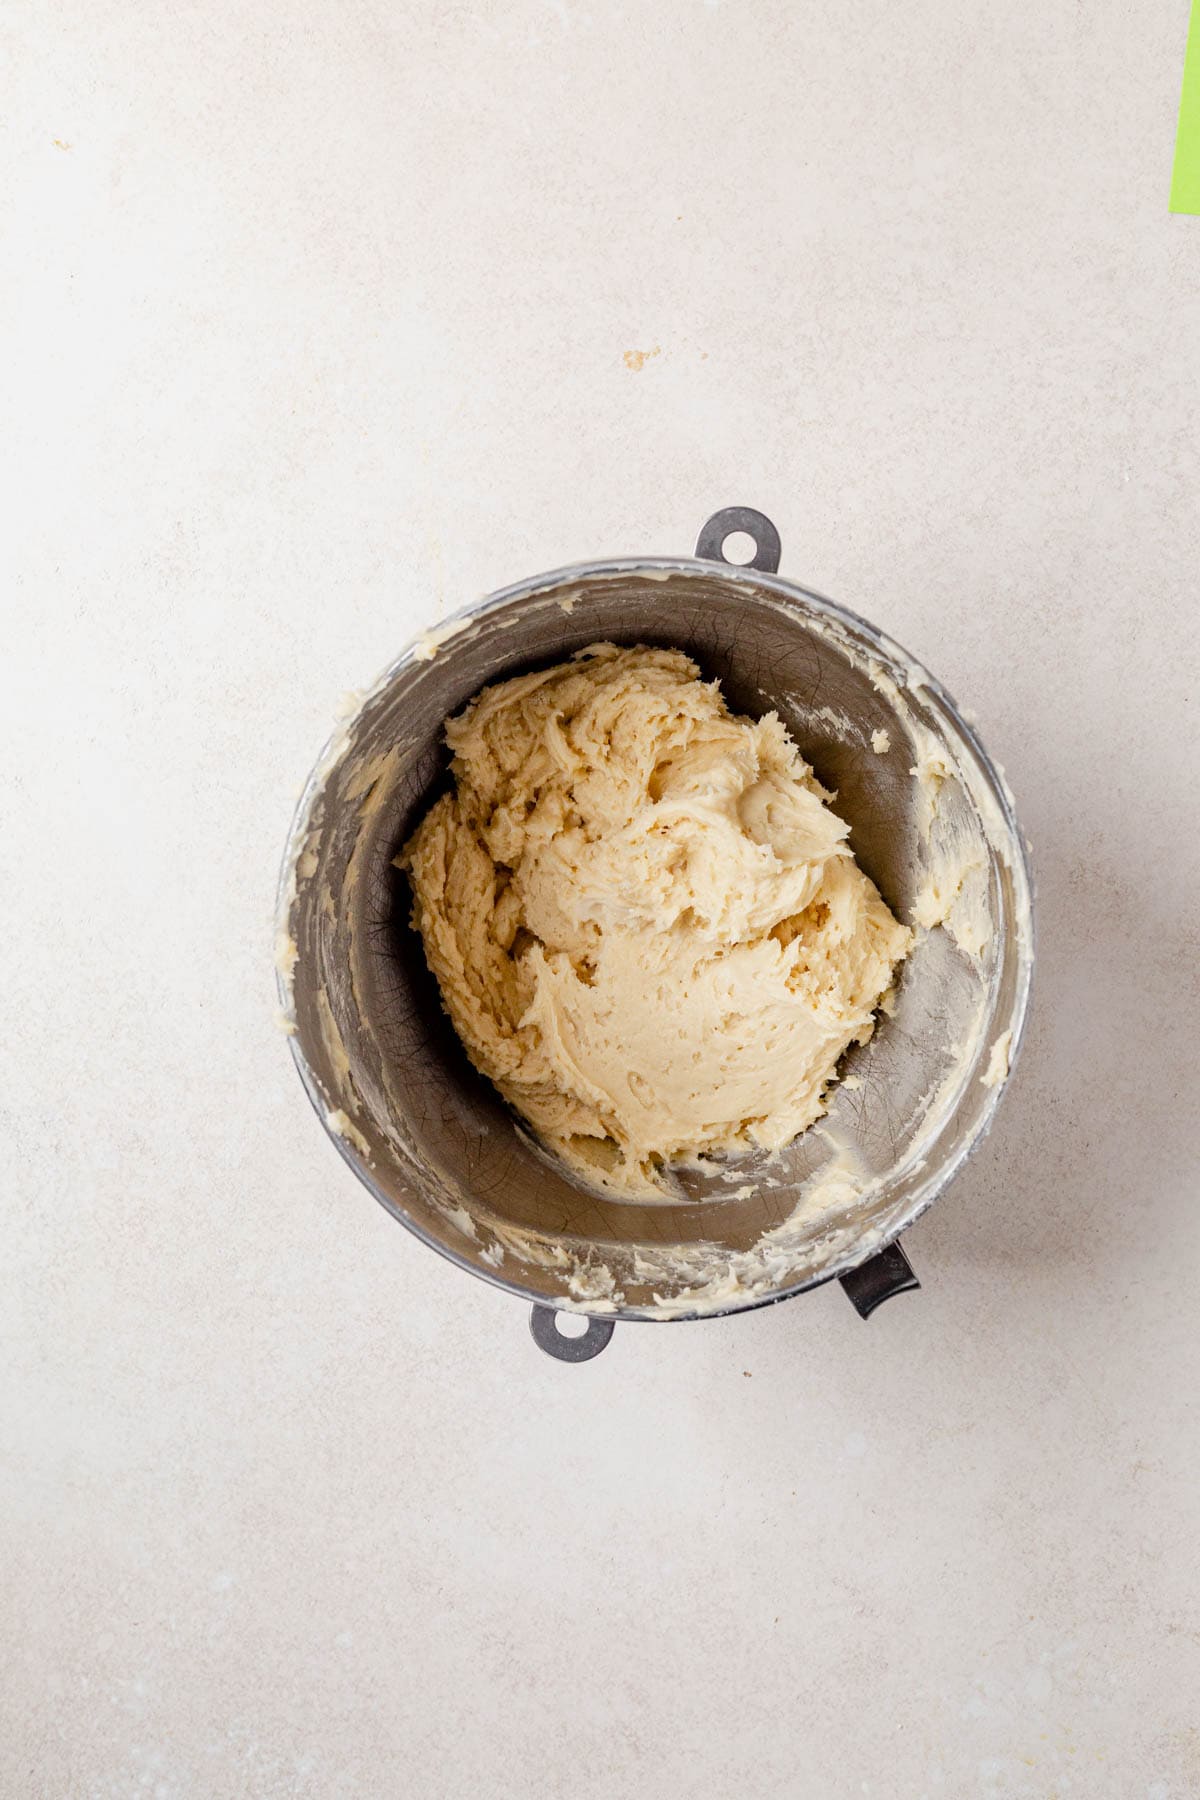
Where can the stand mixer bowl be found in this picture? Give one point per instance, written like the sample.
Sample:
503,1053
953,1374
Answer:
932,824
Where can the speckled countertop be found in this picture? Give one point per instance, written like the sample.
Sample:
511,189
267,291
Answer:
327,319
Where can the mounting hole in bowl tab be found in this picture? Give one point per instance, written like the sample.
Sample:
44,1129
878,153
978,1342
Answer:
554,1332
740,548
723,539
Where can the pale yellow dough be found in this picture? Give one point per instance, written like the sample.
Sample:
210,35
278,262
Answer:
646,923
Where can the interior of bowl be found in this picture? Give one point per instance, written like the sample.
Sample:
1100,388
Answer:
930,823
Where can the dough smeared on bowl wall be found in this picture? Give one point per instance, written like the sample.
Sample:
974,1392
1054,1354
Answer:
646,923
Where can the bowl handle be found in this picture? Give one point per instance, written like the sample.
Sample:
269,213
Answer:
543,1323
740,518
877,1279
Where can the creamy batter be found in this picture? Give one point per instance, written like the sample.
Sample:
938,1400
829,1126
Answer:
643,915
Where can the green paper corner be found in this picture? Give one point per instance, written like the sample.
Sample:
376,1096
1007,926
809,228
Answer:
1185,182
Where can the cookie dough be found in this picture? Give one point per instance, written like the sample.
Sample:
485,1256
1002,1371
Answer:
643,915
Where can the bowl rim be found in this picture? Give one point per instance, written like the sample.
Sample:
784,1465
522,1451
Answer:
790,593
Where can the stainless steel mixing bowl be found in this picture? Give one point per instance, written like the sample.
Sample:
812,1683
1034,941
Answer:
435,1143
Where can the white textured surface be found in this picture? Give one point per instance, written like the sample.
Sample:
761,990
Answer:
318,328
